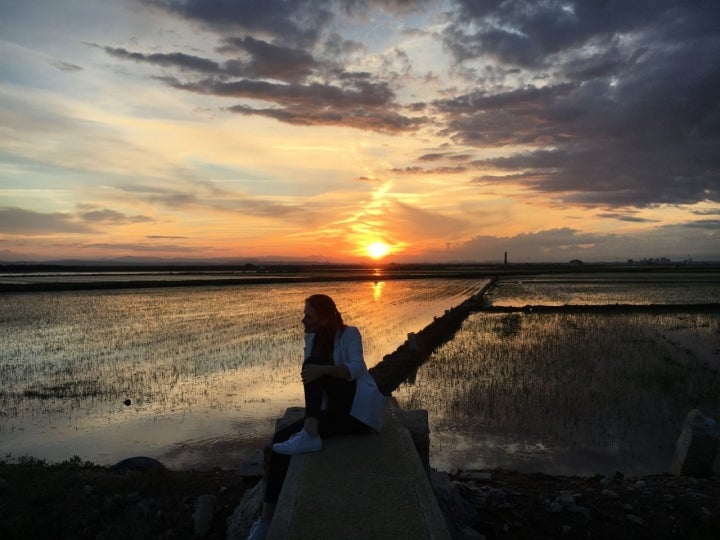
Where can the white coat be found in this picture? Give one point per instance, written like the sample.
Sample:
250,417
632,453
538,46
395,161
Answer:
368,403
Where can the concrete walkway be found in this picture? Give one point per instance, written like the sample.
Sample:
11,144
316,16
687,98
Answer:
360,487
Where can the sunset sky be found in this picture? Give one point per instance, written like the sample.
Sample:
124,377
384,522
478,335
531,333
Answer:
452,130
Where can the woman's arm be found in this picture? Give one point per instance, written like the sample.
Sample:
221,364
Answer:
312,371
350,353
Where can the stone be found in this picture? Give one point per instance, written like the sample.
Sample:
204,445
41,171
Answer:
474,475
468,533
203,514
239,523
697,447
139,463
609,493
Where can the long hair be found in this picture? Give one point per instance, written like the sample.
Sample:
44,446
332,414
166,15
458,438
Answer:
323,344
326,309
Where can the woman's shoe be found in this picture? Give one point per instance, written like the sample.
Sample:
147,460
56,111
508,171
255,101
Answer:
300,443
259,530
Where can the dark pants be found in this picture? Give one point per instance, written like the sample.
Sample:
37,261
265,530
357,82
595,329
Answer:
335,419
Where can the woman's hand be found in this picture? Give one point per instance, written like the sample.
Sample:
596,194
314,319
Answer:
312,372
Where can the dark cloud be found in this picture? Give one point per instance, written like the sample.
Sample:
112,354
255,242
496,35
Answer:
349,99
177,60
21,221
218,200
434,170
565,244
359,103
358,93
264,61
432,157
626,113
27,222
712,225
358,118
270,61
627,217
67,66
111,217
288,21
152,247
528,32
562,244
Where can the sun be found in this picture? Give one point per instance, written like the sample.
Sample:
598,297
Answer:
377,250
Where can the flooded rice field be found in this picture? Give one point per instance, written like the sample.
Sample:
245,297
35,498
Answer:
196,376
602,289
192,376
568,393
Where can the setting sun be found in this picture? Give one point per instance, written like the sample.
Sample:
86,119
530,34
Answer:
377,250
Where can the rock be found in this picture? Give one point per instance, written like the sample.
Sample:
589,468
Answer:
609,493
238,525
468,533
458,512
580,510
635,519
566,499
139,463
474,475
696,447
203,514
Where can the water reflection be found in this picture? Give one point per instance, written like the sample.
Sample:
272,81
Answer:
377,289
676,288
203,364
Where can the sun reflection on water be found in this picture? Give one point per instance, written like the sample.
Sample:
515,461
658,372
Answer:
377,289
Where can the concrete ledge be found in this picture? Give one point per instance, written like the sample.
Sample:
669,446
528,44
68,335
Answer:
360,487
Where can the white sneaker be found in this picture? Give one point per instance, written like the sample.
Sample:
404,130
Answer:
300,443
259,530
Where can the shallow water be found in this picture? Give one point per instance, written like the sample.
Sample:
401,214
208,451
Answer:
567,393
205,371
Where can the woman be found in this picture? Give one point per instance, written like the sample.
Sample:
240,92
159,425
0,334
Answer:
341,397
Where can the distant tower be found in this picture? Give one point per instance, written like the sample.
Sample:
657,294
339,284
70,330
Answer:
506,257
